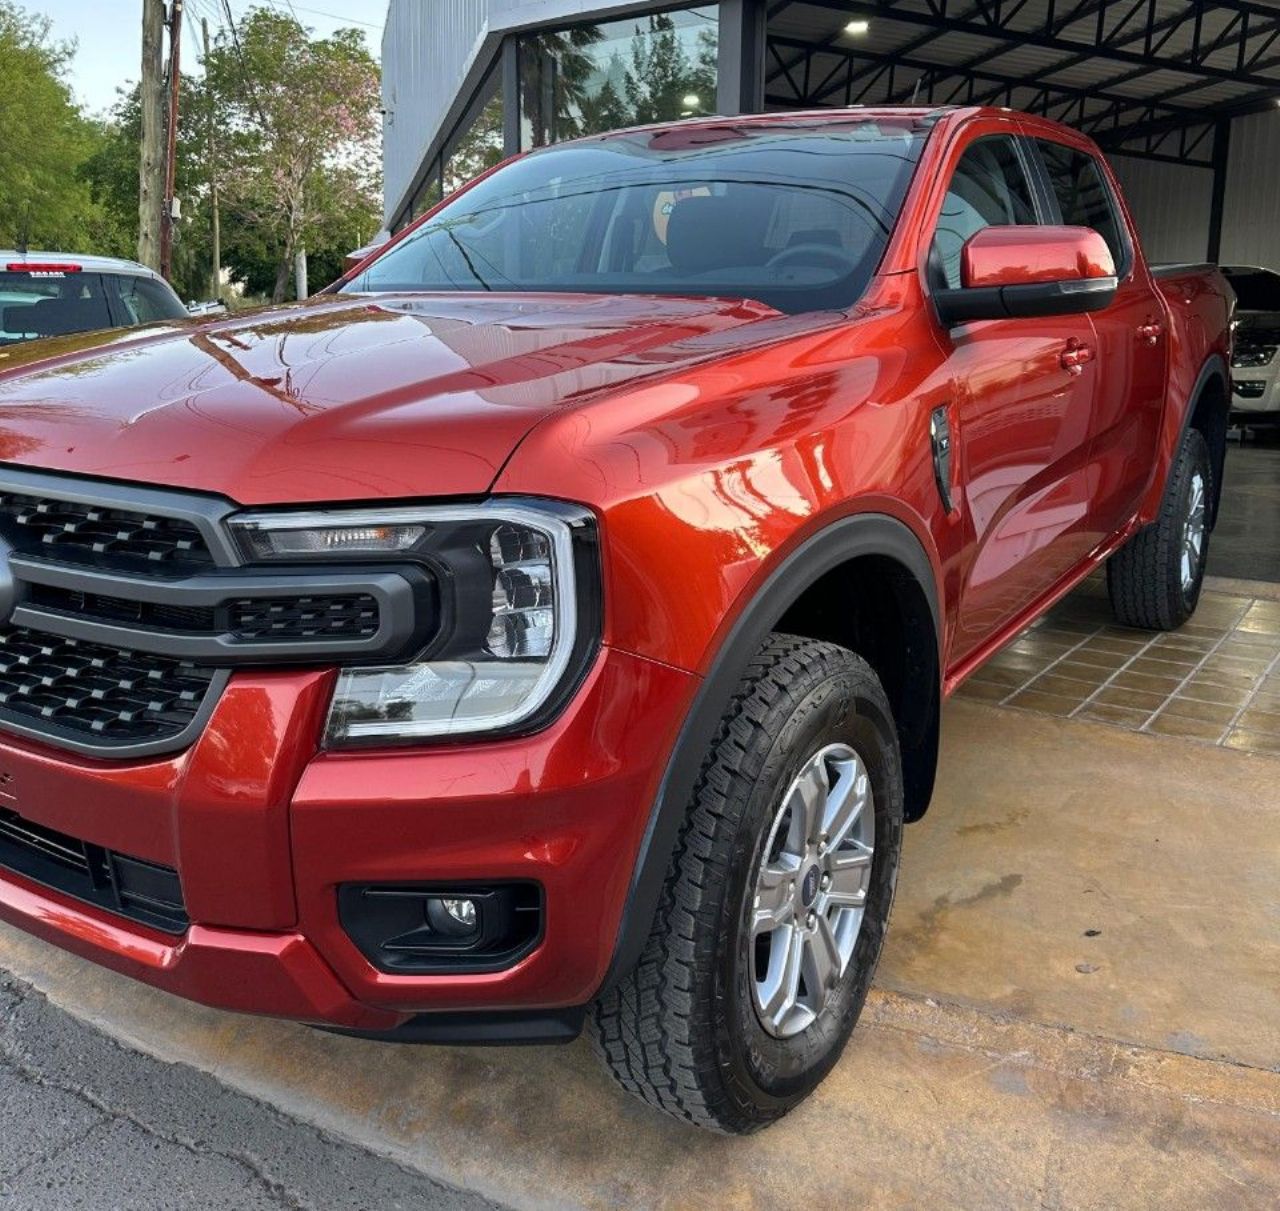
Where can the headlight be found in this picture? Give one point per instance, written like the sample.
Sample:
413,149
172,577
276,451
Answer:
517,618
1254,355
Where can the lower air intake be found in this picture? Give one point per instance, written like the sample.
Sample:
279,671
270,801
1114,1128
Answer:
130,887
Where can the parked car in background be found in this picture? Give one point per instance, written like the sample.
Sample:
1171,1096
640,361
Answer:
548,624
1255,368
45,294
208,307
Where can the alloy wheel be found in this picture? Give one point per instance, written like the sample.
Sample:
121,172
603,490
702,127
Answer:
811,890
1193,533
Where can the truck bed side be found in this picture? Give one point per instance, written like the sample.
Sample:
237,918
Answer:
1199,304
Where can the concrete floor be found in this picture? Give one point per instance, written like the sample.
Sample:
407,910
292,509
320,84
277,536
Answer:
1077,1008
1246,544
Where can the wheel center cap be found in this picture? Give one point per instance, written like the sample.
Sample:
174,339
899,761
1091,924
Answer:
809,887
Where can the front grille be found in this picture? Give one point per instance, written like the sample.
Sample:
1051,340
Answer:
129,606
63,529
354,615
96,694
142,891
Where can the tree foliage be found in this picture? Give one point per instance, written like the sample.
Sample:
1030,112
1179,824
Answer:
298,134
43,139
294,121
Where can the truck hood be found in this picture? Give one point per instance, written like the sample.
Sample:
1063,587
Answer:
344,397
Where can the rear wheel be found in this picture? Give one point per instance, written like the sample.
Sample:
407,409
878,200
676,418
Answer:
1154,581
776,900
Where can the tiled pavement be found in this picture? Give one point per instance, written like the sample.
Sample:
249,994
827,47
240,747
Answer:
1216,680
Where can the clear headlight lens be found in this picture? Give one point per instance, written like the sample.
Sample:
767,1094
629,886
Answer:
511,585
1254,355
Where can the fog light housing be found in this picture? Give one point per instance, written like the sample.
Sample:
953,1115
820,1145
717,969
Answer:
453,918
428,928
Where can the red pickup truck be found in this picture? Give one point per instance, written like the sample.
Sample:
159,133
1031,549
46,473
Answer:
549,623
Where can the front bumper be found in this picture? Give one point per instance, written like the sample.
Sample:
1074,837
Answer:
263,828
1255,393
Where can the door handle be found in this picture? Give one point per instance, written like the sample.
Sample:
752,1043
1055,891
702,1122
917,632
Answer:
1150,331
1075,357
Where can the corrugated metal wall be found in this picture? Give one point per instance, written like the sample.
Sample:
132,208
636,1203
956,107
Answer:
428,47
1170,202
1170,205
1251,217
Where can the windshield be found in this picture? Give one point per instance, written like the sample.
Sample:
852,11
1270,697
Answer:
55,303
796,218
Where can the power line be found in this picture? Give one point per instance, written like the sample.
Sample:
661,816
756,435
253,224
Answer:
244,70
315,12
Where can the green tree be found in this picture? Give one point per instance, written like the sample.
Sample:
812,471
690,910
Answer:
43,139
111,173
298,140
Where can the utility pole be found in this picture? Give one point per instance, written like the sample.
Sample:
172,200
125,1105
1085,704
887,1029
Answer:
300,274
151,160
171,148
215,286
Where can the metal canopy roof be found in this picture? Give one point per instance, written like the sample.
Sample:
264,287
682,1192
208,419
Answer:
1148,77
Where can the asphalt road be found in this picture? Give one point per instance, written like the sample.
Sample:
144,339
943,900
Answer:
86,1123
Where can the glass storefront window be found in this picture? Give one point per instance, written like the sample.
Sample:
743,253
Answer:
477,145
594,78
428,194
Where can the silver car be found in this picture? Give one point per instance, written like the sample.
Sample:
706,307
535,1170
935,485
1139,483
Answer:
45,294
1255,366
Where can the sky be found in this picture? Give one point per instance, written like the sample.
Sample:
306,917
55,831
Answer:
109,34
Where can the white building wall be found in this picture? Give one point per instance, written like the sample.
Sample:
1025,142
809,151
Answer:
1251,216
1170,206
428,48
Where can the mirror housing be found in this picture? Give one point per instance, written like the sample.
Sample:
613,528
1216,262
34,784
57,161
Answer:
354,258
1023,272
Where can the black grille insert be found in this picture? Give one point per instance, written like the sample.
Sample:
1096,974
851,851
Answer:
142,891
70,530
87,692
100,607
354,615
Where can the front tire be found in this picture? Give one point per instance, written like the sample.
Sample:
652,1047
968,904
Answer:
776,901
1154,581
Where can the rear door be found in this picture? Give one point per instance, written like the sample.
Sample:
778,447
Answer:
1020,416
1132,343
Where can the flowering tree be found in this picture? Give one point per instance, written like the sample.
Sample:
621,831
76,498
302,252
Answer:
300,127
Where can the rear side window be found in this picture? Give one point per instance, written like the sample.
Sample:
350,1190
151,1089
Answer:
989,188
144,300
1083,196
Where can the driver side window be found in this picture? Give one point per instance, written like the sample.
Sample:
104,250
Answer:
988,188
